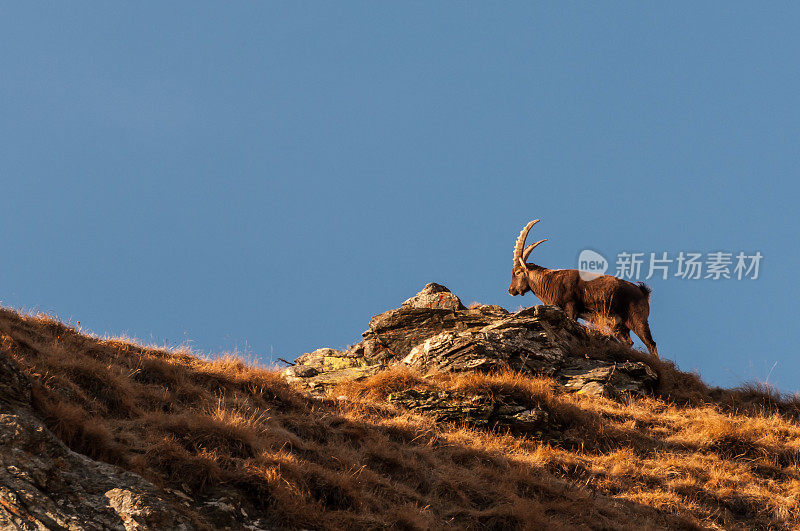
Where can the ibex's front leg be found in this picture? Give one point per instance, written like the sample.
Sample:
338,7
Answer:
571,311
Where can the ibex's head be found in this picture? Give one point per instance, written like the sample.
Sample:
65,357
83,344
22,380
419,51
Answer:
519,275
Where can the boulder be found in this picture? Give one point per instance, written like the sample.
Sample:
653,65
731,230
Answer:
434,296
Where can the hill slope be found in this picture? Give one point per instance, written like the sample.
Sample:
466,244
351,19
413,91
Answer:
212,444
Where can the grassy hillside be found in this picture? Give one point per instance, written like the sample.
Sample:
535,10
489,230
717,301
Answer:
688,457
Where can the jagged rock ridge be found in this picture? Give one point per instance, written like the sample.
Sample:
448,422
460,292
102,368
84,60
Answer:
434,331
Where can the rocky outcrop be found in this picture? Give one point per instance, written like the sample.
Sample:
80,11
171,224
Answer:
478,411
44,485
433,331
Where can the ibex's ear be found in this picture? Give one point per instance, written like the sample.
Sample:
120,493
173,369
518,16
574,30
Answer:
521,263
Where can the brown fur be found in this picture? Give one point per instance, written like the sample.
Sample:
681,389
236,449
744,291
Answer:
626,304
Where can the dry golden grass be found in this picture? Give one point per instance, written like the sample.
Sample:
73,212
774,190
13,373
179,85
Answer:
688,457
601,324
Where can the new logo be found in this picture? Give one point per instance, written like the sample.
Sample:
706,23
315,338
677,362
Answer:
591,264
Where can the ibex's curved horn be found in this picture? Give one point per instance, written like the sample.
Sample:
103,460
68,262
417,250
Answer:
521,242
527,252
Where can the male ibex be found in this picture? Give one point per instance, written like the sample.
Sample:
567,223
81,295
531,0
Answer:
626,304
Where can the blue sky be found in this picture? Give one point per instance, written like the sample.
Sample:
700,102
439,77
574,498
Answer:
264,177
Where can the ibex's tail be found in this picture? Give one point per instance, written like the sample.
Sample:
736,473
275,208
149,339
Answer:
645,289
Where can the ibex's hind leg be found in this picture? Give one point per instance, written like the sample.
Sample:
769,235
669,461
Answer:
623,333
642,329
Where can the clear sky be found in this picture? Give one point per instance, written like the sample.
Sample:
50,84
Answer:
264,177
